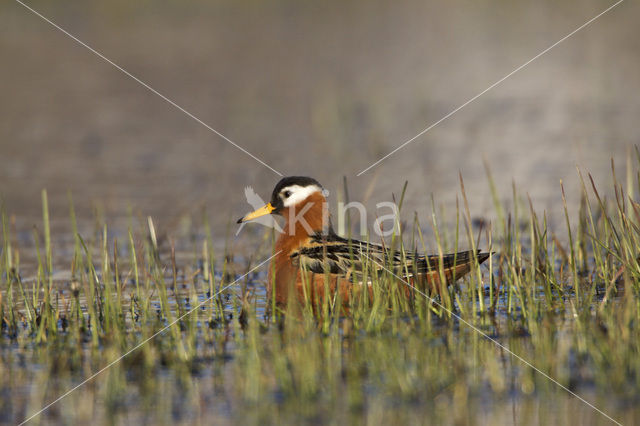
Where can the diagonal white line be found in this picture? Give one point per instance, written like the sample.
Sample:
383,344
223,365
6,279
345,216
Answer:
145,85
491,339
491,87
139,345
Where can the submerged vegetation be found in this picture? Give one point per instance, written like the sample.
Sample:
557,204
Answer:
201,344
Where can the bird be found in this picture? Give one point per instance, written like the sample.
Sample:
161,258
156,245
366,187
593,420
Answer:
310,258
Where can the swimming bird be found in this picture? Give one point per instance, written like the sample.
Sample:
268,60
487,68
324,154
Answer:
310,257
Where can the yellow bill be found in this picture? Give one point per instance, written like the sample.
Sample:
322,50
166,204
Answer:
262,211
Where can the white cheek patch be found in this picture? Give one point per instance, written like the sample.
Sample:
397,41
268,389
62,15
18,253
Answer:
298,193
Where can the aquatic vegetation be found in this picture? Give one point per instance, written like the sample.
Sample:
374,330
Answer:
202,344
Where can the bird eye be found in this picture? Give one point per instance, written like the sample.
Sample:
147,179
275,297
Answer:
287,194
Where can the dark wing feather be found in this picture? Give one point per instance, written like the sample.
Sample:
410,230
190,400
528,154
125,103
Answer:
337,255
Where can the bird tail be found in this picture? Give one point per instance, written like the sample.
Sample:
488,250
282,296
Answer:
454,266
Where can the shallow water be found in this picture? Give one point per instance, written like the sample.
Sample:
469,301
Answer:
315,89
216,388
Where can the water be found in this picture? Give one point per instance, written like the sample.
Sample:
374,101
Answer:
321,91
317,89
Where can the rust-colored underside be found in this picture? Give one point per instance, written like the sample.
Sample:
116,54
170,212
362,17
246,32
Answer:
311,287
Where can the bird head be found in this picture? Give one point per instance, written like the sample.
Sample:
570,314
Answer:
290,192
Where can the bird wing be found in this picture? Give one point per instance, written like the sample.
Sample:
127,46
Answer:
337,255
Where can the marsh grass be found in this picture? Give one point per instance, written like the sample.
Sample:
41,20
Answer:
566,303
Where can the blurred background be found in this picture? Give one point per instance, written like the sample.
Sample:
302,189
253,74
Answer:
315,88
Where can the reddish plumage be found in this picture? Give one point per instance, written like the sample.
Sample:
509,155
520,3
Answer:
283,272
311,259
